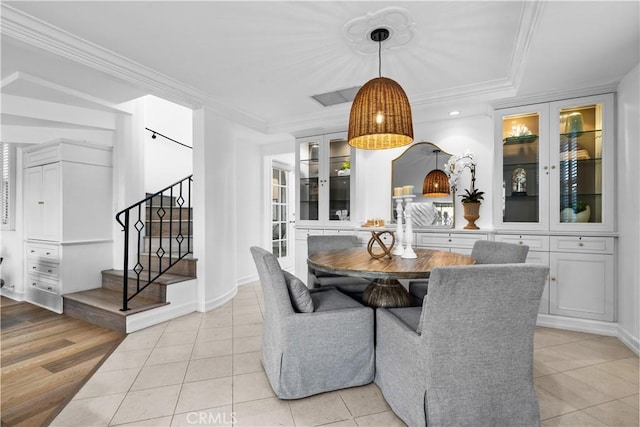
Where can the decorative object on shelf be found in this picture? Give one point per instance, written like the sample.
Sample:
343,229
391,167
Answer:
375,238
423,214
519,182
345,169
408,235
580,212
407,190
520,134
399,249
397,191
472,197
380,115
343,214
436,183
575,123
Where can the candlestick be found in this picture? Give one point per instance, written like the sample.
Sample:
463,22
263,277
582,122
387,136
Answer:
399,248
408,250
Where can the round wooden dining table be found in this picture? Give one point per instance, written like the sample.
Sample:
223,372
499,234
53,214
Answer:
385,290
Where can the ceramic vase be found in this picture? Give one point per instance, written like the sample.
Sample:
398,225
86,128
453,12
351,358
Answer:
471,214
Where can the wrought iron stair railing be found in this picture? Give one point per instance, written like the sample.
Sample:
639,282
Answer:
146,220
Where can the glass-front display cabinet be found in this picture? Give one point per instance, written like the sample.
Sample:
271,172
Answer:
524,173
325,170
556,165
583,150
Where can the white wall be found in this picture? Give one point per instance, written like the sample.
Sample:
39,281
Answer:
373,168
628,207
165,161
214,212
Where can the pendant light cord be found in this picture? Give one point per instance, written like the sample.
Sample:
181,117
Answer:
379,58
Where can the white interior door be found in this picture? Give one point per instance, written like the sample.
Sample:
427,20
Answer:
282,213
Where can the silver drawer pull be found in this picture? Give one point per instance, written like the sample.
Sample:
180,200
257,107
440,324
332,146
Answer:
49,288
520,242
449,240
580,244
49,271
32,251
48,253
33,284
41,203
34,267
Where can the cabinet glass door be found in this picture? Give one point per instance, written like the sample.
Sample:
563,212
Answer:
580,164
309,180
339,179
520,166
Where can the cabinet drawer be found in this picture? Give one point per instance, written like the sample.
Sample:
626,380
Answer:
38,267
42,284
47,252
448,240
602,245
535,243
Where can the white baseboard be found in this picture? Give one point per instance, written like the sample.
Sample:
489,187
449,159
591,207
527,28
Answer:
12,294
209,305
182,301
148,318
247,279
581,325
629,340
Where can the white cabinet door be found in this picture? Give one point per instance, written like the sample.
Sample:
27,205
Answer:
33,203
42,202
534,257
582,285
51,197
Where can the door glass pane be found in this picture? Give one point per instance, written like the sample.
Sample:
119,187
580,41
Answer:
339,179
581,164
279,216
308,204
520,157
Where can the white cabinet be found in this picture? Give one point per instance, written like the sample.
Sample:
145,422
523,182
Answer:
42,202
325,172
581,273
68,215
582,277
555,166
302,251
538,254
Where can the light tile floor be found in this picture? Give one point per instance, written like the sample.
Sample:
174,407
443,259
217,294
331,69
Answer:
204,369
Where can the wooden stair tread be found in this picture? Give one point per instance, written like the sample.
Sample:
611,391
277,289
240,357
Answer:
164,279
111,301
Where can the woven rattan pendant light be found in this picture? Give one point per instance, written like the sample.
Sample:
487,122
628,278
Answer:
380,114
436,183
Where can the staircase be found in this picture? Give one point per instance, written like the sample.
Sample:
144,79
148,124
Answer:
163,259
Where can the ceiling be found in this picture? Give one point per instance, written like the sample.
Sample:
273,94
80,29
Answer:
260,62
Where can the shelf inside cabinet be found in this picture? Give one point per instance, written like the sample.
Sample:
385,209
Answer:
524,139
528,165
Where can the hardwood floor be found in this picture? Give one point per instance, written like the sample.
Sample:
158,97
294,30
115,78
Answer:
45,359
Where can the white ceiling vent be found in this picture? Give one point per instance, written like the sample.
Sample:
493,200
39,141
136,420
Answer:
337,97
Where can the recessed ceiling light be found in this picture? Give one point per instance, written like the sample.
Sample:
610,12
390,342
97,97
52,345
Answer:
454,113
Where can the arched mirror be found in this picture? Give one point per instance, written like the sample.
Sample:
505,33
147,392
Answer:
411,168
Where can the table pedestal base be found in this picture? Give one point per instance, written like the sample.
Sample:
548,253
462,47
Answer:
386,293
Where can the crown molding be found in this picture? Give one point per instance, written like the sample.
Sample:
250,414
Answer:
554,96
529,19
35,32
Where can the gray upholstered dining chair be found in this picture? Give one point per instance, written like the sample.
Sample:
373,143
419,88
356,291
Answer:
316,278
484,252
466,359
313,341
